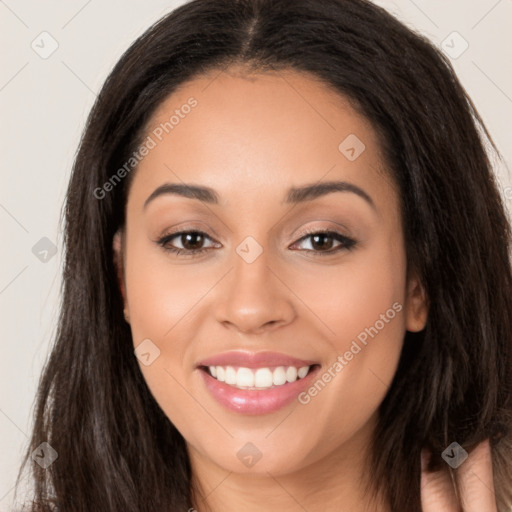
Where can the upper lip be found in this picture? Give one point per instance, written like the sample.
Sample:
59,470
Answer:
254,360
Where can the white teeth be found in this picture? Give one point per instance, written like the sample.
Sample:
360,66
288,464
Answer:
303,372
230,375
279,376
291,374
245,377
261,378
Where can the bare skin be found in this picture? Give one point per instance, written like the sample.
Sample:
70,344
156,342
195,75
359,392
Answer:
251,139
475,478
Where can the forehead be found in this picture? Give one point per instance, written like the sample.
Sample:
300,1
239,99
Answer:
238,132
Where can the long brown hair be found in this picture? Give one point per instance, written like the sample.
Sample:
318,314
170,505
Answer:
117,451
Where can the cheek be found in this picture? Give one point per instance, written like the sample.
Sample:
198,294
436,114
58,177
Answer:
161,295
363,306
350,297
163,300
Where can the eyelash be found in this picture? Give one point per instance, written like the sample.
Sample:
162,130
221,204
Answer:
347,243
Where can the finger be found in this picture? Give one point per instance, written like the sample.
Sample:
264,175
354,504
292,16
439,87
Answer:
475,479
437,492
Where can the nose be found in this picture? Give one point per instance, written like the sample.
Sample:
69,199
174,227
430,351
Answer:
254,297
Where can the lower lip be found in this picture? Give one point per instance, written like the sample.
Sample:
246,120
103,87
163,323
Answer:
262,401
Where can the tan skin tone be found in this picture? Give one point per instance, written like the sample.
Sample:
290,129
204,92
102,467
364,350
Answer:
250,139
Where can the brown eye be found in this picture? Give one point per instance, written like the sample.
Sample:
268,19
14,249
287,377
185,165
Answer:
322,242
192,241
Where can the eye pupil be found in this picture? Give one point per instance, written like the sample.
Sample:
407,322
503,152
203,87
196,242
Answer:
322,237
191,236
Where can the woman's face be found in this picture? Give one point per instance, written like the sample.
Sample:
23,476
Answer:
266,298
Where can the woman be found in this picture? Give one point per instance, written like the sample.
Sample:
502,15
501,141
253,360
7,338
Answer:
287,279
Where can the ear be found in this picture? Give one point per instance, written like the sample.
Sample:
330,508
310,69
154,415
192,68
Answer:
416,305
117,246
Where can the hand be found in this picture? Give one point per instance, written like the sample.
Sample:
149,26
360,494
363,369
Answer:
475,479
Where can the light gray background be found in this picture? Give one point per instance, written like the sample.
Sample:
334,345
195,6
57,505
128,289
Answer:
43,107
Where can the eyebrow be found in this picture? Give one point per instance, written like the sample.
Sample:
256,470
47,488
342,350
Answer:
313,191
205,194
294,195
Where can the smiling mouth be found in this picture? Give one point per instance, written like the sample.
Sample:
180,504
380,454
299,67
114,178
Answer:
258,378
